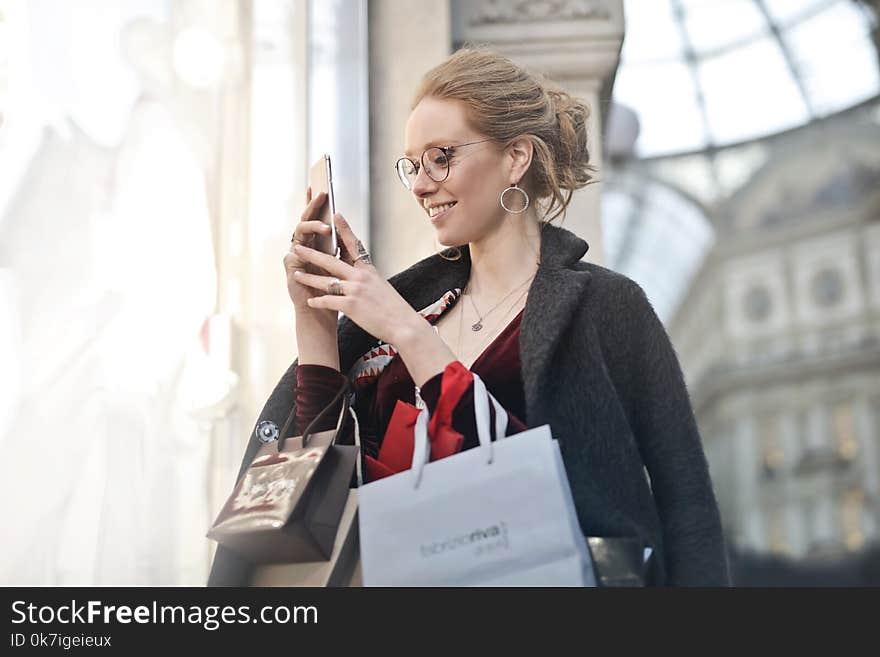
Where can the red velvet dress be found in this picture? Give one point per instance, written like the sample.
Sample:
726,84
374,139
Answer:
385,400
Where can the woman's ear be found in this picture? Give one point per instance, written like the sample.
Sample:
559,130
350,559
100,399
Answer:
520,152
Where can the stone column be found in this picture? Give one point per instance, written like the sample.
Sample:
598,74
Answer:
576,44
406,39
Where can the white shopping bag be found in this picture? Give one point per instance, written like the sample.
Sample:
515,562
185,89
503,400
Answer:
497,515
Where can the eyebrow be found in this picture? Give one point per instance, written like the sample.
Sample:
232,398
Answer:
433,143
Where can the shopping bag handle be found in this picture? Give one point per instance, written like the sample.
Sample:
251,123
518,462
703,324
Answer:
482,397
422,448
346,408
282,438
357,442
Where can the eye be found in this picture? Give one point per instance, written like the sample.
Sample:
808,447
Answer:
409,167
442,159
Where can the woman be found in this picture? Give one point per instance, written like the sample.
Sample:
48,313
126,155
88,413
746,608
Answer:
492,155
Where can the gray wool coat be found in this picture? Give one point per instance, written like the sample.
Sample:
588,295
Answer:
598,367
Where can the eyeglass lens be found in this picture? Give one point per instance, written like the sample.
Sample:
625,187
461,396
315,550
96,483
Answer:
435,162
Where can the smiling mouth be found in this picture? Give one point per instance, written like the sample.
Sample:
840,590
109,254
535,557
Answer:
439,209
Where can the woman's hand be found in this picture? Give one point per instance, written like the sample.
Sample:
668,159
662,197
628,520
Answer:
354,287
305,233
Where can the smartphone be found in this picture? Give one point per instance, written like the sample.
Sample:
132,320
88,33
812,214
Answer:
321,180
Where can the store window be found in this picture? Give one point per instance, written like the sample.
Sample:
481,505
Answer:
843,431
772,454
852,511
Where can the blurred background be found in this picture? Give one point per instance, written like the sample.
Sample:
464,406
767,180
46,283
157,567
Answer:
153,161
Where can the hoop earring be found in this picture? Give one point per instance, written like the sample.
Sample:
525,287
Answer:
521,191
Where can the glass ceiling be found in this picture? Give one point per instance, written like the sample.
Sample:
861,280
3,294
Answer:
655,235
707,73
707,80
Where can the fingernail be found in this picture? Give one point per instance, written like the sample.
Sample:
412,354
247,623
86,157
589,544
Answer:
297,273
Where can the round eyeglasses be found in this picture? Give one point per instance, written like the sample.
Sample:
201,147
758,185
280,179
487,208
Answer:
434,160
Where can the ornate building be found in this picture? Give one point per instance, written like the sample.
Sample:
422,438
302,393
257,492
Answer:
743,195
780,339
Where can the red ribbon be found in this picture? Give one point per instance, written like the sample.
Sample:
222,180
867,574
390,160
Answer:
396,452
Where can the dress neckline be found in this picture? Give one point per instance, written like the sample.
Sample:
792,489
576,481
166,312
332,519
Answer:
506,331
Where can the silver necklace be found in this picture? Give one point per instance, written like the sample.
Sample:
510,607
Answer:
478,325
479,352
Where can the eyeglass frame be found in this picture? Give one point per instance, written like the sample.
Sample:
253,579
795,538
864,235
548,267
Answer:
421,164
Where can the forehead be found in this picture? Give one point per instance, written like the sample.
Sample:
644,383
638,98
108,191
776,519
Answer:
436,122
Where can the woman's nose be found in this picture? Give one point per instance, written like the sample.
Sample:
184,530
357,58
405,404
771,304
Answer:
423,185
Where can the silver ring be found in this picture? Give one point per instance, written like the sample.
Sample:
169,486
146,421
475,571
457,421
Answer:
335,287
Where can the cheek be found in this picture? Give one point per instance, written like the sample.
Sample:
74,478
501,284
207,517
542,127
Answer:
478,194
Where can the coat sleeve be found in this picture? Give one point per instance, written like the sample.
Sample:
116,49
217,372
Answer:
228,568
317,387
668,439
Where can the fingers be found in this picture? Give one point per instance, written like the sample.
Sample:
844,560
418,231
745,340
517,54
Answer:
328,302
306,229
291,263
313,209
347,237
322,283
354,248
326,262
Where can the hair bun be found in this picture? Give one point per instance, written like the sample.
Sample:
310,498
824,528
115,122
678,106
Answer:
573,117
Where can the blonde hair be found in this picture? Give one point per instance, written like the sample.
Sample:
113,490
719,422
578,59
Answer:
505,102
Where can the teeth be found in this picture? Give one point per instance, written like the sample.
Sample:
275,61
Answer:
439,208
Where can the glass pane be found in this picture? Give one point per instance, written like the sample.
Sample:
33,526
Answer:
750,89
665,241
664,98
339,103
693,175
843,71
22,108
617,208
786,12
275,112
750,92
735,166
651,32
717,25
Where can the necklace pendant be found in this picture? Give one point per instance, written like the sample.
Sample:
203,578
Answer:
476,327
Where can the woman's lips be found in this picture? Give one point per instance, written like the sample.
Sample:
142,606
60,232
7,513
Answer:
438,217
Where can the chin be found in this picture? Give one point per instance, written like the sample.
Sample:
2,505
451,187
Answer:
446,236
449,239
449,235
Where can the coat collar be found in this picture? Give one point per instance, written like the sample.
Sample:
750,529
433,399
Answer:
553,299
